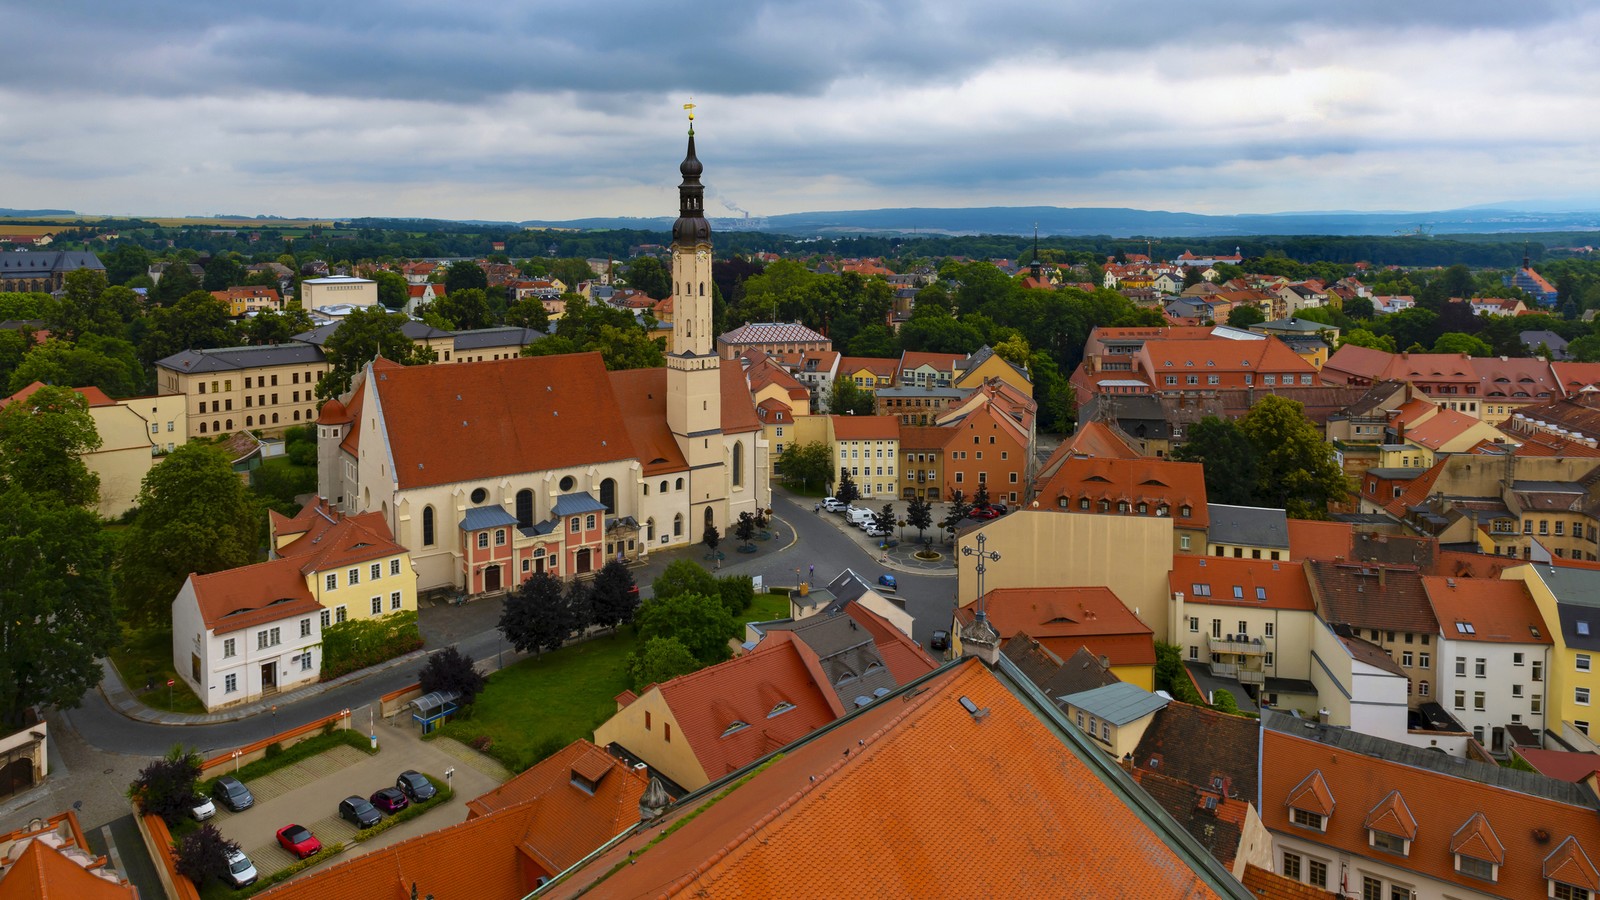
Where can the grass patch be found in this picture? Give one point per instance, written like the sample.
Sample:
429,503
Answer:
304,750
145,658
767,608
539,705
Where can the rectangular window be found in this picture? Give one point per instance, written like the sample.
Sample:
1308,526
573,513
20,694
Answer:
1291,865
1580,696
1461,699
483,540
1461,667
332,581
1307,819
1405,659
375,571
394,566
1582,662
1425,660
1267,659
394,598
1194,624
1194,652
499,537
353,576
327,618
377,606
1388,842
1371,888
340,614
230,684
1216,629
1538,670
1536,703
1480,668
305,627
1477,700
1317,873
229,649
305,661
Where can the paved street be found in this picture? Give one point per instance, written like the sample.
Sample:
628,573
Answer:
96,751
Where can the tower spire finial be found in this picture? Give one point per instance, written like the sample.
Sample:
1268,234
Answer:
690,107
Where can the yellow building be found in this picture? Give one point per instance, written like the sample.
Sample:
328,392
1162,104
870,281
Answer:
353,567
337,290
867,447
985,364
244,388
1114,715
1569,601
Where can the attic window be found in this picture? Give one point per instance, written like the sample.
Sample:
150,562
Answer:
1583,628
735,726
584,784
1238,592
1466,628
782,707
1202,590
1261,593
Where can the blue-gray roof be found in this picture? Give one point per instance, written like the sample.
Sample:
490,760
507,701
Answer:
1250,526
1118,703
228,359
573,504
39,263
417,331
481,517
496,337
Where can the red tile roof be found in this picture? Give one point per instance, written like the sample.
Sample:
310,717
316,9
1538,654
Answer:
93,396
738,409
939,362
1283,583
1066,618
1563,764
883,368
926,437
248,596
43,873
328,539
1150,481
1366,595
1493,610
1312,539
1272,886
866,428
847,815
641,396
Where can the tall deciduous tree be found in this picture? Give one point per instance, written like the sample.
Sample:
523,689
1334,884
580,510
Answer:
614,598
1296,470
806,463
393,289
919,515
649,275
364,335
55,603
42,441
700,622
464,275
1229,457
452,671
536,618
684,576
195,321
847,399
528,313
195,515
166,787
660,659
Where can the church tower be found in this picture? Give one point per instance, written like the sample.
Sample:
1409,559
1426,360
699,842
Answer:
694,375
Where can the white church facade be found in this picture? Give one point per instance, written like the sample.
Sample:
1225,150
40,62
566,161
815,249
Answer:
487,472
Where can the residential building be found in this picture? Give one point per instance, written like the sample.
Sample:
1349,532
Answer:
1494,649
867,447
868,372
922,469
989,448
337,290
1450,380
1568,598
919,405
815,369
52,857
251,299
231,389
1134,487
478,345
768,337
43,270
1053,676
1114,717
1247,532
1388,607
1248,620
1063,619
985,364
918,368
568,459
1373,818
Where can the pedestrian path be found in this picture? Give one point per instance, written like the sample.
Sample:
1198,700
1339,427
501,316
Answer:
482,762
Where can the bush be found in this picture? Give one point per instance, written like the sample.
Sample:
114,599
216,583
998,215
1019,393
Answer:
684,577
1172,677
737,593
701,623
274,750
452,670
359,643
660,659
166,787
203,854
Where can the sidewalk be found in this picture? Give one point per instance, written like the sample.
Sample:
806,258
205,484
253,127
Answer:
902,557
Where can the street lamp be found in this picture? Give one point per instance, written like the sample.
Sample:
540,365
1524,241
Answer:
449,778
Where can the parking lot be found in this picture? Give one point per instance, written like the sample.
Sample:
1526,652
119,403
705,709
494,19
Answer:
308,793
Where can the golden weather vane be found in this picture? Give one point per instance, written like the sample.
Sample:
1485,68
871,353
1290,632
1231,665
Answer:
690,107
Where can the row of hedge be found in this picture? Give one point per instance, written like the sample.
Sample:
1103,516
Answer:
360,643
281,757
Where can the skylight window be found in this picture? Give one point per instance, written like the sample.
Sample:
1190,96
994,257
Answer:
1583,628
1466,628
1238,592
735,727
1261,593
782,707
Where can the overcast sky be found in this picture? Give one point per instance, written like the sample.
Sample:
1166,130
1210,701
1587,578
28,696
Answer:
554,109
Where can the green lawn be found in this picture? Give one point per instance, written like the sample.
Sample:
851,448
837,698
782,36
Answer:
145,657
767,608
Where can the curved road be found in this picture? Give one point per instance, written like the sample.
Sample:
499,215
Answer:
806,539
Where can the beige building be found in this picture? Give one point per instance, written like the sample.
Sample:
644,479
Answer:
134,434
1250,620
244,388
337,290
867,447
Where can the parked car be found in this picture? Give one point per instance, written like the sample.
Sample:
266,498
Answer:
359,812
390,800
203,809
299,840
888,581
415,785
987,512
834,504
233,794
939,641
860,518
241,871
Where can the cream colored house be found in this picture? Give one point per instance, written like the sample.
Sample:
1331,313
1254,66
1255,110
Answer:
232,389
867,447
1247,619
337,290
1115,715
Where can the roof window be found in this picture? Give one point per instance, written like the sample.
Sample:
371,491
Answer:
780,708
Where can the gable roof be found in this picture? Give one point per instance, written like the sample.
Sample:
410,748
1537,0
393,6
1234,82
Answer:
939,362
1388,598
1490,610
1229,581
1051,674
1154,482
1272,886
236,599
866,428
1198,746
42,872
1067,618
329,539
880,366
1215,822
771,333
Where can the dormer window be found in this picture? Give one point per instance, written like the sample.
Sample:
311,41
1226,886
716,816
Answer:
1307,819
780,708
734,727
1388,842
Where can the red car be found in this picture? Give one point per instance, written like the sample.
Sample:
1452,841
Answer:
299,840
987,512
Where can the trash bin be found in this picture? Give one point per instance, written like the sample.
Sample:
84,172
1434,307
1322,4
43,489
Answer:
374,741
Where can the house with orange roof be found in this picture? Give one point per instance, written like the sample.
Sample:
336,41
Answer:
1510,384
515,838
249,299
1247,620
1495,646
1175,366
245,633
867,447
868,372
918,368
1424,432
51,857
1375,818
816,369
771,380
985,364
922,467
990,447
1134,487
1451,380
981,735
1091,439
1062,619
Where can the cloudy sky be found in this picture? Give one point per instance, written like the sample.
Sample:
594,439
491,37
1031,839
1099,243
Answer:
557,109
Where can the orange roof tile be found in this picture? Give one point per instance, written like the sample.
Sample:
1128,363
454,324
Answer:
866,428
329,539
738,409
1440,429
1312,795
1272,886
782,827
1313,539
1392,816
92,396
1485,609
882,368
939,362
1066,618
1570,865
1227,581
925,437
641,395
43,873
253,595
906,660
1153,482
1478,840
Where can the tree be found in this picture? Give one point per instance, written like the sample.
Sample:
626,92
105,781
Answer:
649,275
806,463
1296,468
166,787
1229,458
42,441
883,521
571,272
394,292
614,598
195,515
1015,350
1192,276
223,271
874,341
1172,677
464,275
537,617
270,327
919,515
55,588
465,310
980,497
451,671
699,621
745,528
528,313
711,537
364,335
1361,337
176,282
737,593
658,660
846,399
111,364
1244,316
958,512
125,260
195,321
684,576
1458,342
203,854
846,491
88,306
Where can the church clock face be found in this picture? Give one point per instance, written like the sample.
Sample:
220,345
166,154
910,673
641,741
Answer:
701,254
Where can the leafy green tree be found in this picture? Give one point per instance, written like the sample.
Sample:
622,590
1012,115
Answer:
659,660
883,520
958,512
1359,308
613,333
939,333
1361,337
450,670
166,787
55,589
14,345
176,283
203,854
846,491
1414,326
364,335
745,529
980,497
875,341
846,399
271,327
648,274
1015,350
806,463
1229,458
125,261
684,576
737,593
393,289
464,275
1458,342
537,617
711,537
614,597
30,305
195,321
1245,316
1172,677
88,306
1058,402
223,271
1585,349
111,364
465,310
1296,469
528,313
194,516
919,515
571,272
42,441
699,621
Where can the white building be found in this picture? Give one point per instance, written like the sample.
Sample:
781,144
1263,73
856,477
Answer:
337,290
245,633
1494,652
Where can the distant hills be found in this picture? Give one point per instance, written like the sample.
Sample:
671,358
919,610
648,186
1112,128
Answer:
33,213
1122,222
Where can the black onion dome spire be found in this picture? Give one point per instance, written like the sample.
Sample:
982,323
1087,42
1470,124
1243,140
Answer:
691,227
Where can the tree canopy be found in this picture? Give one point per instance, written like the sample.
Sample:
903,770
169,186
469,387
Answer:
700,622
363,336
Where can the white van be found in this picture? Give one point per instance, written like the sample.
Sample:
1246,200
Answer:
860,518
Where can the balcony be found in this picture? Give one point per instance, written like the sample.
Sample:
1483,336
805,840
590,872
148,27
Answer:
1242,674
1236,643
